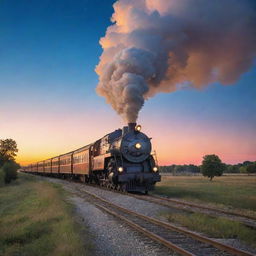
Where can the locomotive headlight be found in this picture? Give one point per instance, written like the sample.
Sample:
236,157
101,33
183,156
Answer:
120,169
138,145
138,128
155,169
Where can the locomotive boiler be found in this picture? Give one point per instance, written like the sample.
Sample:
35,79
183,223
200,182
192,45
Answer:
120,160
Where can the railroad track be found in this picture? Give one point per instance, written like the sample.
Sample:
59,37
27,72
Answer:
247,220
175,238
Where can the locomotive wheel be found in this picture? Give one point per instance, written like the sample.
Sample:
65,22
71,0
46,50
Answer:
123,188
83,178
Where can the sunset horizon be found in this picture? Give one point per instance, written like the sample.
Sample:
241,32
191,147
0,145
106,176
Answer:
128,127
49,103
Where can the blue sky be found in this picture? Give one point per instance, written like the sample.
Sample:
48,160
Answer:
48,53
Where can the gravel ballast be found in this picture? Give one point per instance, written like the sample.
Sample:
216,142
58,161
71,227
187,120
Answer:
112,236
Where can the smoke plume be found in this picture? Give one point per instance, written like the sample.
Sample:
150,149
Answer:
157,45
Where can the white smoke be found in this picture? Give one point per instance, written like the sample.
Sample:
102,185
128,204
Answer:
157,45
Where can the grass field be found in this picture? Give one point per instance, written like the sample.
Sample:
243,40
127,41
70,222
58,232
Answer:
35,219
235,192
215,227
228,191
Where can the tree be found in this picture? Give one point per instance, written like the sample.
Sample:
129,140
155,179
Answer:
178,169
8,150
193,168
246,163
2,177
232,169
212,166
10,171
242,169
251,168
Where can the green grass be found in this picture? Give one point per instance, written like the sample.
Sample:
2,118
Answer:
215,227
233,192
237,192
35,219
1,178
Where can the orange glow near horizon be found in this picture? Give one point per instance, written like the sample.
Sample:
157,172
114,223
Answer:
180,145
199,95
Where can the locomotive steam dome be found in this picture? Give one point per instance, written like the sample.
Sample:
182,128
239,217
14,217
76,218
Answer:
135,146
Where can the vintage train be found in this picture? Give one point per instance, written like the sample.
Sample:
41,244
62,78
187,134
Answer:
120,160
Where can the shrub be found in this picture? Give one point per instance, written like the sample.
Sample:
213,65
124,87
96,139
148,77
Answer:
2,177
251,168
10,171
242,169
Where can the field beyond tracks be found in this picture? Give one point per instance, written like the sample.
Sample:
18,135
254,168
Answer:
232,191
35,219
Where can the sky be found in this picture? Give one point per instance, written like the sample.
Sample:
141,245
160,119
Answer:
48,103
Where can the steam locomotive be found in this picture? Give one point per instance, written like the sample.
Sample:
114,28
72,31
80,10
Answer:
120,160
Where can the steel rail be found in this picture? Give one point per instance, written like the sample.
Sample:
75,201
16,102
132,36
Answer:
147,233
203,207
154,198
169,226
149,198
214,211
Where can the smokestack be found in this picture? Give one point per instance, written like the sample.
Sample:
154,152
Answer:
156,46
125,130
131,127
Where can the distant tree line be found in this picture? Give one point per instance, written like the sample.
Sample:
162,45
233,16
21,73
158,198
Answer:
180,169
245,167
211,166
8,166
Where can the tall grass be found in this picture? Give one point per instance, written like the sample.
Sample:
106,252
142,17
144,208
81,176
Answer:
36,220
2,177
215,227
228,191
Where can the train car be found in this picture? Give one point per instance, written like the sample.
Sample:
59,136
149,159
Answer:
28,168
34,168
48,166
41,167
66,163
82,162
55,165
